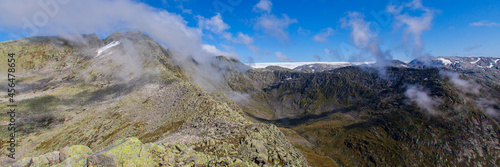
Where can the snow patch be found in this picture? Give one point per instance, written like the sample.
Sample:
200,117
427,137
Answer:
496,61
292,65
105,48
491,65
446,62
474,62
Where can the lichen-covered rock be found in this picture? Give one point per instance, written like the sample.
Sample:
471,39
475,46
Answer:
129,151
40,161
74,156
25,162
74,151
53,157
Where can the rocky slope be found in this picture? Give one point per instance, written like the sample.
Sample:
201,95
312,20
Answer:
95,102
359,116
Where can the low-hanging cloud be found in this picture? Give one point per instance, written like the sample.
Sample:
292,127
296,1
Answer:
489,106
421,97
467,86
102,17
52,17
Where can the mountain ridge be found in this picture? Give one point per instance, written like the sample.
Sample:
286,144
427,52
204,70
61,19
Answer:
219,111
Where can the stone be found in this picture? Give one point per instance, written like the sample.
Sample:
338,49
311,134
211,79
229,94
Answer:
25,162
100,160
76,150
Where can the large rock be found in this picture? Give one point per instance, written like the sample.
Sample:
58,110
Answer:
74,156
128,152
25,162
101,161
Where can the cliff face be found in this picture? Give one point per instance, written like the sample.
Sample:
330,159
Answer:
123,101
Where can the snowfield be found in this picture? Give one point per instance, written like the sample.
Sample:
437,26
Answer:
292,65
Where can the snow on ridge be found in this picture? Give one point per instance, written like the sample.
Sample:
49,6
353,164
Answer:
110,45
474,62
496,61
446,62
491,65
292,65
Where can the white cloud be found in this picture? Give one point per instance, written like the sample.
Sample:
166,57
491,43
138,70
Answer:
414,25
274,26
282,57
102,17
363,39
421,97
244,39
463,85
360,28
485,23
184,10
108,16
213,50
215,25
263,6
248,41
323,35
303,31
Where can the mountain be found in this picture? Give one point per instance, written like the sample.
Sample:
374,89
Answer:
121,101
407,115
125,100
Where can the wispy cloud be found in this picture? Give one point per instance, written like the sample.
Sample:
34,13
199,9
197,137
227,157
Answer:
324,34
471,48
263,6
317,57
248,41
468,86
421,97
303,32
364,39
275,26
282,57
212,49
413,25
485,23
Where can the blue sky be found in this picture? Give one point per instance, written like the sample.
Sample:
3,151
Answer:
314,30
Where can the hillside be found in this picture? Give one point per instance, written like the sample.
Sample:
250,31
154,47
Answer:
91,101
